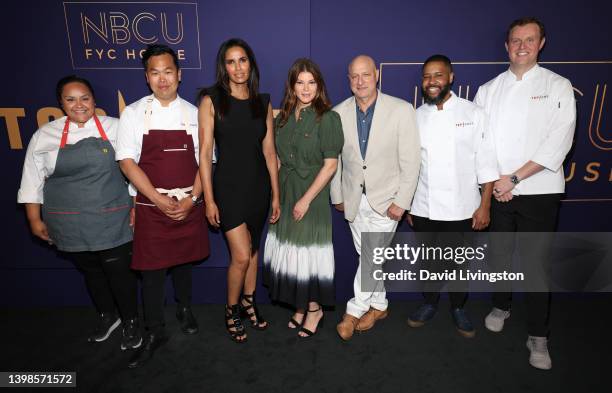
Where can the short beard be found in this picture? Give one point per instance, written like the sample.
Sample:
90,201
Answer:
439,98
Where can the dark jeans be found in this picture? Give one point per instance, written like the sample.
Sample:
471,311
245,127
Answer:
153,292
443,234
525,213
109,279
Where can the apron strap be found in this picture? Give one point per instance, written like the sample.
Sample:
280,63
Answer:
149,112
100,129
65,133
64,139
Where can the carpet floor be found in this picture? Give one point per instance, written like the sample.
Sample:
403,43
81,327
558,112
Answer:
390,358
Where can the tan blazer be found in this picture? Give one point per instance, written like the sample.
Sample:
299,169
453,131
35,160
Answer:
390,170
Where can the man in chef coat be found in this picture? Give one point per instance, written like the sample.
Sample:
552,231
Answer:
157,149
457,154
532,113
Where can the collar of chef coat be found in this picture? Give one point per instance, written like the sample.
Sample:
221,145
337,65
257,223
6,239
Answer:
73,125
175,104
532,73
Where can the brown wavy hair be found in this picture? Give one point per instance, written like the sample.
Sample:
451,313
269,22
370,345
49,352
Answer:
320,103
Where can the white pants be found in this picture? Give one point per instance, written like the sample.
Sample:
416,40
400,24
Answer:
367,220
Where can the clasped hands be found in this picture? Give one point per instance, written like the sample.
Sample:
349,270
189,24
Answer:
502,189
176,210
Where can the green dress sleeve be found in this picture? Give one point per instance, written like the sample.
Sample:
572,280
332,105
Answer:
332,137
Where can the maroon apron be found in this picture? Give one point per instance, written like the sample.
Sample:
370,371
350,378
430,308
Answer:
168,160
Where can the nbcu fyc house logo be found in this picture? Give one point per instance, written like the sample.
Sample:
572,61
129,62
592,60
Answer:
113,35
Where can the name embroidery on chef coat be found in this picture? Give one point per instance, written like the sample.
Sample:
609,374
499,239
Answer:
464,124
540,97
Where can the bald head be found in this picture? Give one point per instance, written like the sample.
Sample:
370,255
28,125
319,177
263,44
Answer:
363,77
362,61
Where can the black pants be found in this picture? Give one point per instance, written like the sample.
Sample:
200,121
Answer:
109,279
153,293
525,213
443,234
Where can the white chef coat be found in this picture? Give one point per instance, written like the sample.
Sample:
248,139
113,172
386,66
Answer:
531,119
457,154
41,154
132,124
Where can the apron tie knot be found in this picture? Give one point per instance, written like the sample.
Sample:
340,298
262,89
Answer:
178,193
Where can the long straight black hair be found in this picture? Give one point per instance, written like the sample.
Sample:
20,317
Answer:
222,86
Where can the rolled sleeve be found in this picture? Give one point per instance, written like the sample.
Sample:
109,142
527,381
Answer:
558,141
32,176
129,139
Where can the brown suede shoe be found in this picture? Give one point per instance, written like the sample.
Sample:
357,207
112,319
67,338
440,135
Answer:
346,328
368,319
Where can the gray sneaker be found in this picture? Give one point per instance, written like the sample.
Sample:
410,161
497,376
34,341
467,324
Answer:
539,357
495,320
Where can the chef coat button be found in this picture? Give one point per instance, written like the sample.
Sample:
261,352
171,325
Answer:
364,167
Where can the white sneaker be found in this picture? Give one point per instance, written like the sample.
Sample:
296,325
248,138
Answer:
539,357
495,320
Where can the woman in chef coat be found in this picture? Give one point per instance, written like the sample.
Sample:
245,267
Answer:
77,199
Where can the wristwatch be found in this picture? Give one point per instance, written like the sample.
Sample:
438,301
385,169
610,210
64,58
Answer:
194,199
515,179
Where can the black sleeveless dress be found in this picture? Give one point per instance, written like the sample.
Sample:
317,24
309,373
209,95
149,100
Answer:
241,181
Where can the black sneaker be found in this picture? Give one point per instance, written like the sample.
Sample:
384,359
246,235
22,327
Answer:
107,323
132,338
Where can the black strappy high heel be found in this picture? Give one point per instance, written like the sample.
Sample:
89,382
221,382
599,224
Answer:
309,333
236,330
251,313
295,323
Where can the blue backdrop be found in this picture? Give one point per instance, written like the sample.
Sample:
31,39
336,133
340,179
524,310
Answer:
45,40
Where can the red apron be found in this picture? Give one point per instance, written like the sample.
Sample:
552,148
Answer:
168,160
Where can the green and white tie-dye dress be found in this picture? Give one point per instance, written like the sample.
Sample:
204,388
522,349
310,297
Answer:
299,256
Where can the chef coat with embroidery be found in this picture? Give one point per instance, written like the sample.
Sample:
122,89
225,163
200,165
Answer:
457,154
532,119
